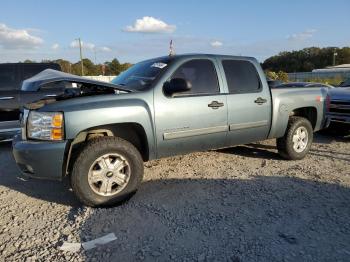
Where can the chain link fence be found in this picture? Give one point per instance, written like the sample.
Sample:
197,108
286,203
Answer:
333,77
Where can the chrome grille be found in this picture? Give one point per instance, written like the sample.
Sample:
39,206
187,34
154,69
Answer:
340,107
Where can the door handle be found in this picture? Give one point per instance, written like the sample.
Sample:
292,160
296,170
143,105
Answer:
260,101
7,98
215,104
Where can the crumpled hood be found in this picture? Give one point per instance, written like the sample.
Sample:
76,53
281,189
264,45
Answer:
49,75
340,93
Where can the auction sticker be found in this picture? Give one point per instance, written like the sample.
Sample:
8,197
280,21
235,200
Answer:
159,65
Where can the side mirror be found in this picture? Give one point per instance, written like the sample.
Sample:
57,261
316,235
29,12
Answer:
177,85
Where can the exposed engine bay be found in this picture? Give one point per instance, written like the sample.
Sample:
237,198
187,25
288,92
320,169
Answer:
65,86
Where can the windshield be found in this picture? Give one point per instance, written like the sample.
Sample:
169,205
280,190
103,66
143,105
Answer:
141,75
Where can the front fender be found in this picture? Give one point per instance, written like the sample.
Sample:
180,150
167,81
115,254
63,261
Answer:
85,113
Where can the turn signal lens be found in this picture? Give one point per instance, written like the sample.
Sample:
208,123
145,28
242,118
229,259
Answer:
57,120
56,134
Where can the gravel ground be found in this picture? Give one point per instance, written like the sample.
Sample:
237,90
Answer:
237,204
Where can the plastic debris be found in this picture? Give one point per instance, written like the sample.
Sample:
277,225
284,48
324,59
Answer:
71,247
99,241
75,247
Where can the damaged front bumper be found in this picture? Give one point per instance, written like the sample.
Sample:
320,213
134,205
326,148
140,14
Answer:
40,159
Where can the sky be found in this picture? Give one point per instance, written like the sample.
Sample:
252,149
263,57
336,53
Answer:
132,30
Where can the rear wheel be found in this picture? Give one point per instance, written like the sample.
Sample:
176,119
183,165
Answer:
296,142
108,171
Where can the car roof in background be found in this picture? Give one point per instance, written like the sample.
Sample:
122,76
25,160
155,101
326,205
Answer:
303,84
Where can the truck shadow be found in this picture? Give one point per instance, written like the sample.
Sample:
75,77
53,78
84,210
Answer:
258,219
257,150
11,177
253,150
322,138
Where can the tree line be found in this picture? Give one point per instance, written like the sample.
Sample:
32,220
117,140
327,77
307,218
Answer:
307,59
111,68
304,60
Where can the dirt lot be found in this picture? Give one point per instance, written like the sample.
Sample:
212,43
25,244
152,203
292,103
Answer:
238,204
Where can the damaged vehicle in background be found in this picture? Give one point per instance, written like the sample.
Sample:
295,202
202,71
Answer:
339,111
304,84
99,134
12,97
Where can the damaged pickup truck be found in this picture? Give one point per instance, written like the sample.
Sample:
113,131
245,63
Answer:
99,134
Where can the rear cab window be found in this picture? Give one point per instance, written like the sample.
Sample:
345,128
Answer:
8,77
202,76
30,70
241,76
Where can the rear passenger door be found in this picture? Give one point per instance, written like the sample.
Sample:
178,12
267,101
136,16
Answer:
194,120
248,101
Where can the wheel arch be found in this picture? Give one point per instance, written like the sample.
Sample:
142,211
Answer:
310,113
131,132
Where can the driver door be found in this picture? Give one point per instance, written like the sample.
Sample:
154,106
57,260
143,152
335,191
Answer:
194,120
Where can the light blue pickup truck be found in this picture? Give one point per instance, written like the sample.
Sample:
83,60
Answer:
99,134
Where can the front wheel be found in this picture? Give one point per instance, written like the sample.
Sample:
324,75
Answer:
107,171
296,142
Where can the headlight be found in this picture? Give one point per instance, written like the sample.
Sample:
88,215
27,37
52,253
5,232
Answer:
45,125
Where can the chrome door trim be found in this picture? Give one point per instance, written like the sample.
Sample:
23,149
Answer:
9,130
248,125
7,98
194,132
10,122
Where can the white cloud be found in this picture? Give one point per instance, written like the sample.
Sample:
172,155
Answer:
303,35
105,49
75,44
55,46
11,38
149,24
216,43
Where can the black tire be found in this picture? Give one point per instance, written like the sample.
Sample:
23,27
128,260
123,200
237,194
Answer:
285,143
94,149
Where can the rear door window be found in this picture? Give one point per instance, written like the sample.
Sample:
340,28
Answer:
31,70
241,76
8,77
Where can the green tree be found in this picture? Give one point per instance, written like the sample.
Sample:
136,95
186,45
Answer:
65,65
112,67
280,75
115,68
29,61
283,76
307,59
271,75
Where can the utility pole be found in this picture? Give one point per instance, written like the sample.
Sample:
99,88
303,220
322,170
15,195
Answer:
81,57
171,48
334,55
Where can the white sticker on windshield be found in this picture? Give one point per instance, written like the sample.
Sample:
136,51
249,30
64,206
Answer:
159,65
